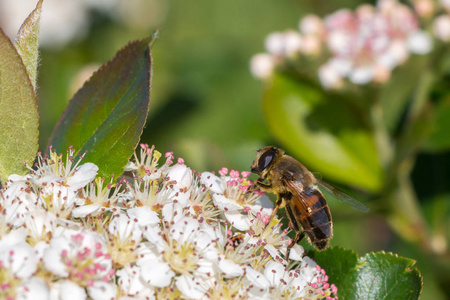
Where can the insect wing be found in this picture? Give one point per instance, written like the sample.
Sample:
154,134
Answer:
305,201
342,197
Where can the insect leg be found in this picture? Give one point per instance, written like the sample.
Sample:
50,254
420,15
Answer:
274,212
277,205
261,184
299,234
265,186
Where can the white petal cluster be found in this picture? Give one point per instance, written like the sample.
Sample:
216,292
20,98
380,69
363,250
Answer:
360,47
66,21
166,232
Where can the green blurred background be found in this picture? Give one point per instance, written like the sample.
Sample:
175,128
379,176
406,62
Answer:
207,108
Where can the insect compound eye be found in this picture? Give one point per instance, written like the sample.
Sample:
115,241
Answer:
266,159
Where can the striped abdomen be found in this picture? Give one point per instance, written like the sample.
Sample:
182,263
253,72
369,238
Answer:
311,211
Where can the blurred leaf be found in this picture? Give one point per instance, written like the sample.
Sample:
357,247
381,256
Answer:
328,135
377,275
27,42
394,95
106,116
440,136
19,119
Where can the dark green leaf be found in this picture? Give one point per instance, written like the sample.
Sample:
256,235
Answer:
19,117
339,264
374,276
107,115
328,135
440,136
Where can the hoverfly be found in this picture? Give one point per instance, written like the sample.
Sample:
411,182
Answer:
297,190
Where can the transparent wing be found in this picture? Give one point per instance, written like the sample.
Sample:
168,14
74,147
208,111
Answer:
342,197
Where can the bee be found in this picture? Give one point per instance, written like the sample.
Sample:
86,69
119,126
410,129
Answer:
235,241
297,190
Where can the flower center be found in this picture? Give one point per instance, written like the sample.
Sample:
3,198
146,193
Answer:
181,257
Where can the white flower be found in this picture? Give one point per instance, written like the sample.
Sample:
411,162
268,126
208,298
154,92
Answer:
18,259
258,283
33,289
65,289
82,176
17,200
181,175
441,27
445,4
175,235
131,284
329,77
102,291
212,182
125,233
362,75
307,282
191,286
180,179
180,252
59,199
232,196
311,25
158,274
81,257
293,43
275,44
18,263
420,42
42,225
68,173
262,66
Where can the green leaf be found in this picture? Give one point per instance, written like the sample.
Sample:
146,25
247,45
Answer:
19,119
397,91
27,42
373,276
107,115
328,135
440,135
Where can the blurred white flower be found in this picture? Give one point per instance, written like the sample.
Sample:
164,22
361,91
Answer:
293,43
275,44
445,4
329,77
65,289
361,46
100,290
18,263
441,28
420,42
262,66
312,25
62,21
33,289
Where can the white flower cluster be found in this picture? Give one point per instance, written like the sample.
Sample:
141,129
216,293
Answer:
65,21
360,46
166,233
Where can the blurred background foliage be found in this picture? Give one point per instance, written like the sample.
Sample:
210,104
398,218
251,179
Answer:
208,109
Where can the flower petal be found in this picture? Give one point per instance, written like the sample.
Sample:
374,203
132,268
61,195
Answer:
156,273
